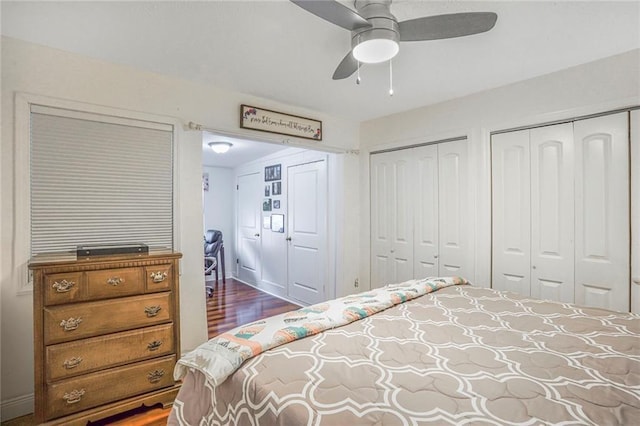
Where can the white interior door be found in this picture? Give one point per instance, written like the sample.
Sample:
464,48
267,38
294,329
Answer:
307,230
552,213
602,212
425,243
453,213
511,212
635,211
391,217
249,210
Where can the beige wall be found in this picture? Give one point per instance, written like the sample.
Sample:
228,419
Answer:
590,88
33,69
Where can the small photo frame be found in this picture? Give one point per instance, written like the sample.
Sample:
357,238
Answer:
277,223
267,190
266,222
276,188
276,204
272,172
266,205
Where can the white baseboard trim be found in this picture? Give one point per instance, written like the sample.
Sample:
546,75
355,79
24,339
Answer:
269,293
16,407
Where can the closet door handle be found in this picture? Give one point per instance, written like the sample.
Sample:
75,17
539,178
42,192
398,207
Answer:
256,235
288,238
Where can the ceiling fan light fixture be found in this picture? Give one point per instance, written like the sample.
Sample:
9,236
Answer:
375,50
220,147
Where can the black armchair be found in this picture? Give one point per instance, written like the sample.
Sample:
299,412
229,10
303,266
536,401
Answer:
213,256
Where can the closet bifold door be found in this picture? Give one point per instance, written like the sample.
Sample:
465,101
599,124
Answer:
602,212
511,212
453,224
552,213
391,218
425,237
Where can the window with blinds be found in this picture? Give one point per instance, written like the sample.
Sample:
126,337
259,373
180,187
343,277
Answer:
99,180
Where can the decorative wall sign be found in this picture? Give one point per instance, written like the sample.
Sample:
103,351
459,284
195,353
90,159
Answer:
266,222
272,173
277,122
277,222
266,205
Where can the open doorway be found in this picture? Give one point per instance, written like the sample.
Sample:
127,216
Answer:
251,194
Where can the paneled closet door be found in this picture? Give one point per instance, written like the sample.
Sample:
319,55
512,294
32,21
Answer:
425,244
552,216
391,218
635,211
602,212
511,212
453,213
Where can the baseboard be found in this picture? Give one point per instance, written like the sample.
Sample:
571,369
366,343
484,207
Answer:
295,302
16,407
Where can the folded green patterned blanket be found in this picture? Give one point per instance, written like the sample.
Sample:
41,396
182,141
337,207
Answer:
221,356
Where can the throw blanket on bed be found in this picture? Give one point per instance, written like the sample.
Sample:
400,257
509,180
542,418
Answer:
221,356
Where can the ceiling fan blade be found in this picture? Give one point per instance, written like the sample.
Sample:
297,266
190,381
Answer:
334,12
446,26
347,66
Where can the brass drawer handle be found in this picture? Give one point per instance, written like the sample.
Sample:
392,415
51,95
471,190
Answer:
155,345
115,281
155,376
159,276
72,362
71,324
63,286
152,311
74,396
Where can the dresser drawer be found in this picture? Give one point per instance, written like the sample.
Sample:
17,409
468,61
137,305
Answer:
64,288
96,353
115,283
77,321
158,277
91,390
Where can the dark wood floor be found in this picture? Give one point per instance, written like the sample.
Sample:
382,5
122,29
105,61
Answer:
235,303
232,304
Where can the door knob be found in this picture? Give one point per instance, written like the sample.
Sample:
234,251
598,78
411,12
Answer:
288,238
435,256
256,235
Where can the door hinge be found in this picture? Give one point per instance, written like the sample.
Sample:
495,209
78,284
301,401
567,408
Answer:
237,187
237,260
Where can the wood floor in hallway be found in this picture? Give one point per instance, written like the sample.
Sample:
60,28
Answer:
231,305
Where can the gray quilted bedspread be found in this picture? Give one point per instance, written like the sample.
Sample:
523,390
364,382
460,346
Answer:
461,355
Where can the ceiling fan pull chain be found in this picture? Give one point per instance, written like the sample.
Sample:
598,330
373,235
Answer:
390,77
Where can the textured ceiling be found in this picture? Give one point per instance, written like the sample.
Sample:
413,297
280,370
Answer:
276,50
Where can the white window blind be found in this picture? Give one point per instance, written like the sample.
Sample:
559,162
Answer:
99,180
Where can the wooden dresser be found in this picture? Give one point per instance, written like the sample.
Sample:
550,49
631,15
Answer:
106,335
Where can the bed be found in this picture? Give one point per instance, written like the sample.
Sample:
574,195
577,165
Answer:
457,355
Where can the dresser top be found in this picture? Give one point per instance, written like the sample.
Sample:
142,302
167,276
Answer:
64,258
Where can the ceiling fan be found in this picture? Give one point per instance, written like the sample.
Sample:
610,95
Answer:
375,32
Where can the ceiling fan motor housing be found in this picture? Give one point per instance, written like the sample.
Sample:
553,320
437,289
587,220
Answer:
383,24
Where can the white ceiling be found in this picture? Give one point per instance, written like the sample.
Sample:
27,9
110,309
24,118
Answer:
241,152
276,50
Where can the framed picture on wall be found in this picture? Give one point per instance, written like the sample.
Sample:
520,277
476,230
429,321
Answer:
266,205
267,190
277,188
277,222
276,204
266,222
272,173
